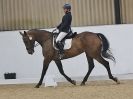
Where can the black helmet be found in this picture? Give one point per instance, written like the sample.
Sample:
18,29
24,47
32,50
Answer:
67,6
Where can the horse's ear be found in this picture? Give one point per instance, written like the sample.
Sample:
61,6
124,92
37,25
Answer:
21,33
25,33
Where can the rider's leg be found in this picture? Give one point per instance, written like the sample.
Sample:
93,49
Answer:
60,36
59,44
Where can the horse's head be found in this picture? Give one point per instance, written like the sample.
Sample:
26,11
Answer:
28,41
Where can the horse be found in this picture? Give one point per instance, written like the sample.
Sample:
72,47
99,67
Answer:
95,45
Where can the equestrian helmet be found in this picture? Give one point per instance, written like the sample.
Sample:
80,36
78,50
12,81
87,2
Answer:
67,6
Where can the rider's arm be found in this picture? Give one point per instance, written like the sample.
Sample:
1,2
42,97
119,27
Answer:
59,26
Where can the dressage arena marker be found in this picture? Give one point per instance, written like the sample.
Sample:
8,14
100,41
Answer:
50,82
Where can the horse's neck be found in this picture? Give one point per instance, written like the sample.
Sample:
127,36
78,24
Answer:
41,38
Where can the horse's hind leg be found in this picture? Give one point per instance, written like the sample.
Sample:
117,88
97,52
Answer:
59,65
91,66
106,65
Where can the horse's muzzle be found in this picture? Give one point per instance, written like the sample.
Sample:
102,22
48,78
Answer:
30,51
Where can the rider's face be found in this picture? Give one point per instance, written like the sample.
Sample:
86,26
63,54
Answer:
65,10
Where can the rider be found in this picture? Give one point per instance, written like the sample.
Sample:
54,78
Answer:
64,27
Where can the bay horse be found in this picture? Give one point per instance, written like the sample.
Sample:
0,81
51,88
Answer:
95,46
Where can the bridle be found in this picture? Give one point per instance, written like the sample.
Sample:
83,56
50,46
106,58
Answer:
36,44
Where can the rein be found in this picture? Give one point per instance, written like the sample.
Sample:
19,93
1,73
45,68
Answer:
44,41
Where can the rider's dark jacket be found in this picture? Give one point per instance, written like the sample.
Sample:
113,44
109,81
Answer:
65,25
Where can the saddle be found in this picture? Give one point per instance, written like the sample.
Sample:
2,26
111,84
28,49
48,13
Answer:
66,42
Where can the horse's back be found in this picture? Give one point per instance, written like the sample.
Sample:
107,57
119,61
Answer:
87,36
88,40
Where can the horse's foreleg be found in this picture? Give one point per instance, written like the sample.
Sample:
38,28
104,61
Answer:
106,65
90,68
44,70
59,65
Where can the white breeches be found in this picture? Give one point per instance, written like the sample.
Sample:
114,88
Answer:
61,36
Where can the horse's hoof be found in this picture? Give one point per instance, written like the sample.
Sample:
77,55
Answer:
117,81
73,82
82,84
37,86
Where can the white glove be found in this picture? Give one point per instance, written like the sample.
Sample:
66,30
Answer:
56,31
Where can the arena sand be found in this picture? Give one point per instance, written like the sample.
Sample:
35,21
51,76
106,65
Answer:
92,90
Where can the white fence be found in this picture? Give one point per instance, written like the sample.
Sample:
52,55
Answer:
14,58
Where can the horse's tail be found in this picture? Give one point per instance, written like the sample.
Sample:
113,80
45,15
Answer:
106,53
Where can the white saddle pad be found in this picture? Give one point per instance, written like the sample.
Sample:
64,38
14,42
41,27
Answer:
67,45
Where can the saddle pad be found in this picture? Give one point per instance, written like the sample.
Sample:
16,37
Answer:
67,45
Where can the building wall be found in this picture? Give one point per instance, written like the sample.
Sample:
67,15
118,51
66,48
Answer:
127,11
27,14
14,57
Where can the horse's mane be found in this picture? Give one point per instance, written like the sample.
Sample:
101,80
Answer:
38,30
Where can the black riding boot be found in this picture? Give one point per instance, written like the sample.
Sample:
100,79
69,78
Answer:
61,51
